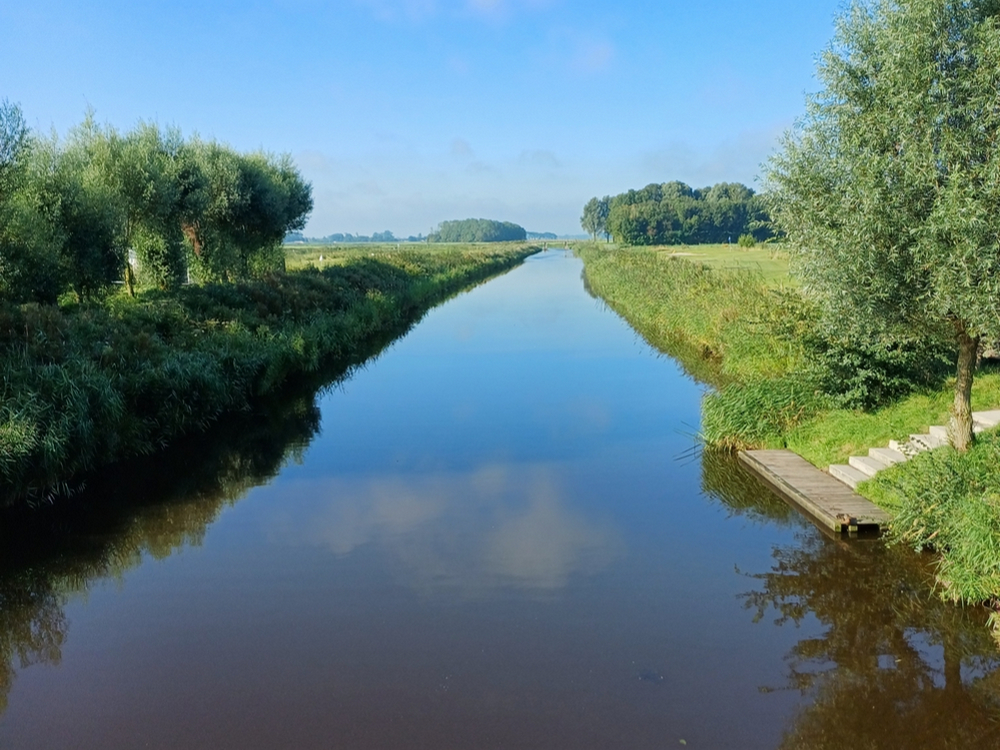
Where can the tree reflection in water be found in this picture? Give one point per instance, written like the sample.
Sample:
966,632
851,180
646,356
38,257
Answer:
151,506
895,666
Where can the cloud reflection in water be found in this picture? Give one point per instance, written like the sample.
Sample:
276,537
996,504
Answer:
477,532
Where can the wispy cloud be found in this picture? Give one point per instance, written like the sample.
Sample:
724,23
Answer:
591,55
738,158
419,10
461,149
405,10
539,158
521,531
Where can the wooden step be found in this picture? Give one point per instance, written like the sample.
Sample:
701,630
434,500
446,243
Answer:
817,494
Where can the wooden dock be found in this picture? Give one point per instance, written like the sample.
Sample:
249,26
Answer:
827,501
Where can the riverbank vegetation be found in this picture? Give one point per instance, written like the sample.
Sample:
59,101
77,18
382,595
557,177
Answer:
780,378
143,293
87,384
887,198
143,209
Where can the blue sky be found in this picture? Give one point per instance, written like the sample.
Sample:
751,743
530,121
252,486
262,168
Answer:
404,113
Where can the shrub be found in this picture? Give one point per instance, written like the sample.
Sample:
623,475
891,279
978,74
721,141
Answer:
759,412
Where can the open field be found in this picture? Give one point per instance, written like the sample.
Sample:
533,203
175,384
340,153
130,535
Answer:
769,260
301,255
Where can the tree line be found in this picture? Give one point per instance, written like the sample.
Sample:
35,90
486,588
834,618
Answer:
478,230
348,238
673,213
145,208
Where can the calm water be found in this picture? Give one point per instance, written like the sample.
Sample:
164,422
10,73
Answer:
494,535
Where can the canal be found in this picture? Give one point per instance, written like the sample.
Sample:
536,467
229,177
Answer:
498,533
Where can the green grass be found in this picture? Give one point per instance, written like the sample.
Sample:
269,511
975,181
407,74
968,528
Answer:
85,385
753,338
720,326
951,502
832,436
768,261
301,255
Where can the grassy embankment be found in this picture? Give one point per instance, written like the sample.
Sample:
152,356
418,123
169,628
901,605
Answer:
734,319
84,386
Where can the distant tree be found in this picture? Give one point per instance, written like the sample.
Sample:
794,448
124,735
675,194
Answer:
589,221
479,230
595,216
889,190
675,213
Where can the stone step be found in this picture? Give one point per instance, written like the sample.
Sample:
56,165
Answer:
987,419
848,475
928,442
867,466
887,456
940,432
908,448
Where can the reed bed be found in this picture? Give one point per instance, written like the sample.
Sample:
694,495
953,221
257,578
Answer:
83,386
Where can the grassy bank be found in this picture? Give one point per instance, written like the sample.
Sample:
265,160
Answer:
84,386
776,382
753,337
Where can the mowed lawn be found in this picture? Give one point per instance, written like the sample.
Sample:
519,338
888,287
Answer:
770,260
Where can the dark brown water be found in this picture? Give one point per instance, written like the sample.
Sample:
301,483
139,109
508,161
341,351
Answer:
494,535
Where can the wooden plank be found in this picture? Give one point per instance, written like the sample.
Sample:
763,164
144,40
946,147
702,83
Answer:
827,501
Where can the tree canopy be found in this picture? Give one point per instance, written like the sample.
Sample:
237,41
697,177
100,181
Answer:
478,230
146,206
674,213
889,188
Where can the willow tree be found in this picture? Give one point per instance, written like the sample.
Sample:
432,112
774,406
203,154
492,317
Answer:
889,187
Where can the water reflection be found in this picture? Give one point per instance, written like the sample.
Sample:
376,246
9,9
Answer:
147,507
894,666
497,526
460,561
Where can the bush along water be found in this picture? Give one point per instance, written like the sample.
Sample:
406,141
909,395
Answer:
772,358
84,385
950,501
